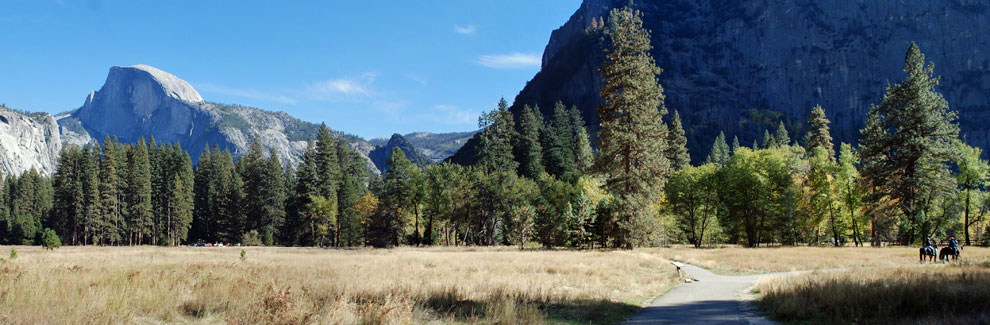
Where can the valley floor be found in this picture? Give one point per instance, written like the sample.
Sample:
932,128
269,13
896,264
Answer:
405,285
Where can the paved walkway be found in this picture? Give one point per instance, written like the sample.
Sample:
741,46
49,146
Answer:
712,299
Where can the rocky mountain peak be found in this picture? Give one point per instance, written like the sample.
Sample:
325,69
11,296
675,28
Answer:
170,85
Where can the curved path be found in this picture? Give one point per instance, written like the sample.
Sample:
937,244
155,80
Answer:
711,299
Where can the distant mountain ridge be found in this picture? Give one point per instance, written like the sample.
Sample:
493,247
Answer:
383,152
436,146
142,101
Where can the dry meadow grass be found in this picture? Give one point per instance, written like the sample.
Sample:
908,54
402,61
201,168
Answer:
306,285
931,294
739,260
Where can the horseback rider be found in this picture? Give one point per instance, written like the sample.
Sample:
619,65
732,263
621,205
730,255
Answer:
954,244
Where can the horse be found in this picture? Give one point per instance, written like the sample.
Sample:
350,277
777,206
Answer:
946,253
928,251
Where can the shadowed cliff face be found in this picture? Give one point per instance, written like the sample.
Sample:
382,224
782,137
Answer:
743,66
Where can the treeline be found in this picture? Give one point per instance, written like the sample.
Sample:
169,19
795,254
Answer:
537,179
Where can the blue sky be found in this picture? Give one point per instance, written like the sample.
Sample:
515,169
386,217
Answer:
370,68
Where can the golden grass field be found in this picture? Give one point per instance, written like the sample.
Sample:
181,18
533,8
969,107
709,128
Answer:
455,285
310,285
737,260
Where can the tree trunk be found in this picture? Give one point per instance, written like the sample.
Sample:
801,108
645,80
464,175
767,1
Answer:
966,222
417,237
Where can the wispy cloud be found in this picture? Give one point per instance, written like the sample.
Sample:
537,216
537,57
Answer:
245,93
465,30
342,88
422,81
453,115
511,61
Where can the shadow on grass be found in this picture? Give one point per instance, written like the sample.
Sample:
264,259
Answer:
705,312
519,310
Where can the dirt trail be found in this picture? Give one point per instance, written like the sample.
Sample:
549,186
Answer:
713,298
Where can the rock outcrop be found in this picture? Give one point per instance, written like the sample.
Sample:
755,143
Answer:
28,140
382,153
743,66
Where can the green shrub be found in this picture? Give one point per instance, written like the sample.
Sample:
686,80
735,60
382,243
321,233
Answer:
251,238
50,240
243,255
13,254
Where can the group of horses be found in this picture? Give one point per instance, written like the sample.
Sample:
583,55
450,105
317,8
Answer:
928,252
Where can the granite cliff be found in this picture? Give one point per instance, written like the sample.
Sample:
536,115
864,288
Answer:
28,140
743,66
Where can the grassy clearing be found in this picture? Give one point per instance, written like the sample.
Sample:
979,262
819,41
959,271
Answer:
954,294
301,285
738,260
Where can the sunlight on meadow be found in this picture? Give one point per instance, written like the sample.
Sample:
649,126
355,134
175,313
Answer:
306,285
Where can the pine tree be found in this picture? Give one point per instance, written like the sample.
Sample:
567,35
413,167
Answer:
735,144
677,152
68,200
273,196
633,136
559,144
782,138
327,165
818,131
397,195
307,187
109,193
719,155
352,185
139,212
89,180
769,142
495,150
583,156
253,170
906,141
529,152
202,223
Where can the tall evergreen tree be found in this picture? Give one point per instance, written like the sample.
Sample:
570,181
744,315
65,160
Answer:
818,131
495,149
203,220
529,151
110,195
559,144
396,196
906,142
769,142
139,212
719,155
253,169
677,151
354,176
89,180
735,144
273,194
327,164
307,187
633,136
583,156
782,138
